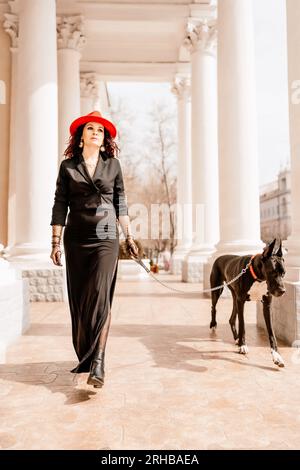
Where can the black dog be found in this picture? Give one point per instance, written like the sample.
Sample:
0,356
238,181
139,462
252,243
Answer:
268,267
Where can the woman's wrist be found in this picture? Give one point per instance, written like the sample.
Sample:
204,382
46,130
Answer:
128,234
56,238
55,241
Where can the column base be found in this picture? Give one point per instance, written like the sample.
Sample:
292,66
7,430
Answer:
204,250
14,307
47,282
192,267
177,259
129,271
285,313
7,274
28,252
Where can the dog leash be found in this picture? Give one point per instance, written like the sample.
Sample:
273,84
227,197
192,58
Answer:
140,262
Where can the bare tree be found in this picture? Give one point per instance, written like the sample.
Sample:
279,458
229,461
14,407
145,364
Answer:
148,162
123,116
161,186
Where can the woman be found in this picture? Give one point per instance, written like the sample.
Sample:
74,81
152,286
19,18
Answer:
90,184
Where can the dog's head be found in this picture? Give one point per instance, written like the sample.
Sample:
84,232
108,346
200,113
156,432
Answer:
273,268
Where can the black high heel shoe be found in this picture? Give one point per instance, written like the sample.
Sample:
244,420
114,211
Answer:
96,377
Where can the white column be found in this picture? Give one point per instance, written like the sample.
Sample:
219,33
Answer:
201,41
181,88
238,155
34,126
89,93
70,40
93,93
103,99
11,26
293,244
13,303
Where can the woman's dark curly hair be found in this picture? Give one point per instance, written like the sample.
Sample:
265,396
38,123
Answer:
73,149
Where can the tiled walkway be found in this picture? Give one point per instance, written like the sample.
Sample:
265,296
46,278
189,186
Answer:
169,384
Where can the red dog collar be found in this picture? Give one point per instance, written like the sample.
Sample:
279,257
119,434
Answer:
252,270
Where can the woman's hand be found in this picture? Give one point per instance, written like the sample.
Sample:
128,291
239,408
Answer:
56,255
131,247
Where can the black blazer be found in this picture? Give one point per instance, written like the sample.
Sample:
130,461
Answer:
76,190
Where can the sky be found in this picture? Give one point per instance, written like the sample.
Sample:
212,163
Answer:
271,87
140,99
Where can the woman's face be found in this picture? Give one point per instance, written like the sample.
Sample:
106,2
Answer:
93,134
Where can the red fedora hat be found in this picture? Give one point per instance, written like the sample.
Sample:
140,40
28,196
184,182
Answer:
95,116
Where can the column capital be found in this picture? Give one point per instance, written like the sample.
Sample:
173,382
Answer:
11,27
89,85
181,87
70,32
201,35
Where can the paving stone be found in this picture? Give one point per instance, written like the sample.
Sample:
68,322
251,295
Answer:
170,383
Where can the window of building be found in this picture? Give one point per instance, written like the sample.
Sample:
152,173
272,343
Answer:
284,206
283,184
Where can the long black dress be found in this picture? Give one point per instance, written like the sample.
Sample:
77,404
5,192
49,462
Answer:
91,245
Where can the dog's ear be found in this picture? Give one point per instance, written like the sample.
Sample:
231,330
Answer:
269,249
279,251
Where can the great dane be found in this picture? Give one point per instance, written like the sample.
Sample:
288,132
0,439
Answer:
267,266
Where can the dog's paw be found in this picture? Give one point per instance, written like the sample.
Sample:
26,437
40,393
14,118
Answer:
243,349
277,359
213,326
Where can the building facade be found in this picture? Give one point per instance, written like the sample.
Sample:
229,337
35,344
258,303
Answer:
275,208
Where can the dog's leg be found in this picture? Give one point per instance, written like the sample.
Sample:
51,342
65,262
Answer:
216,279
215,295
267,301
243,348
232,319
